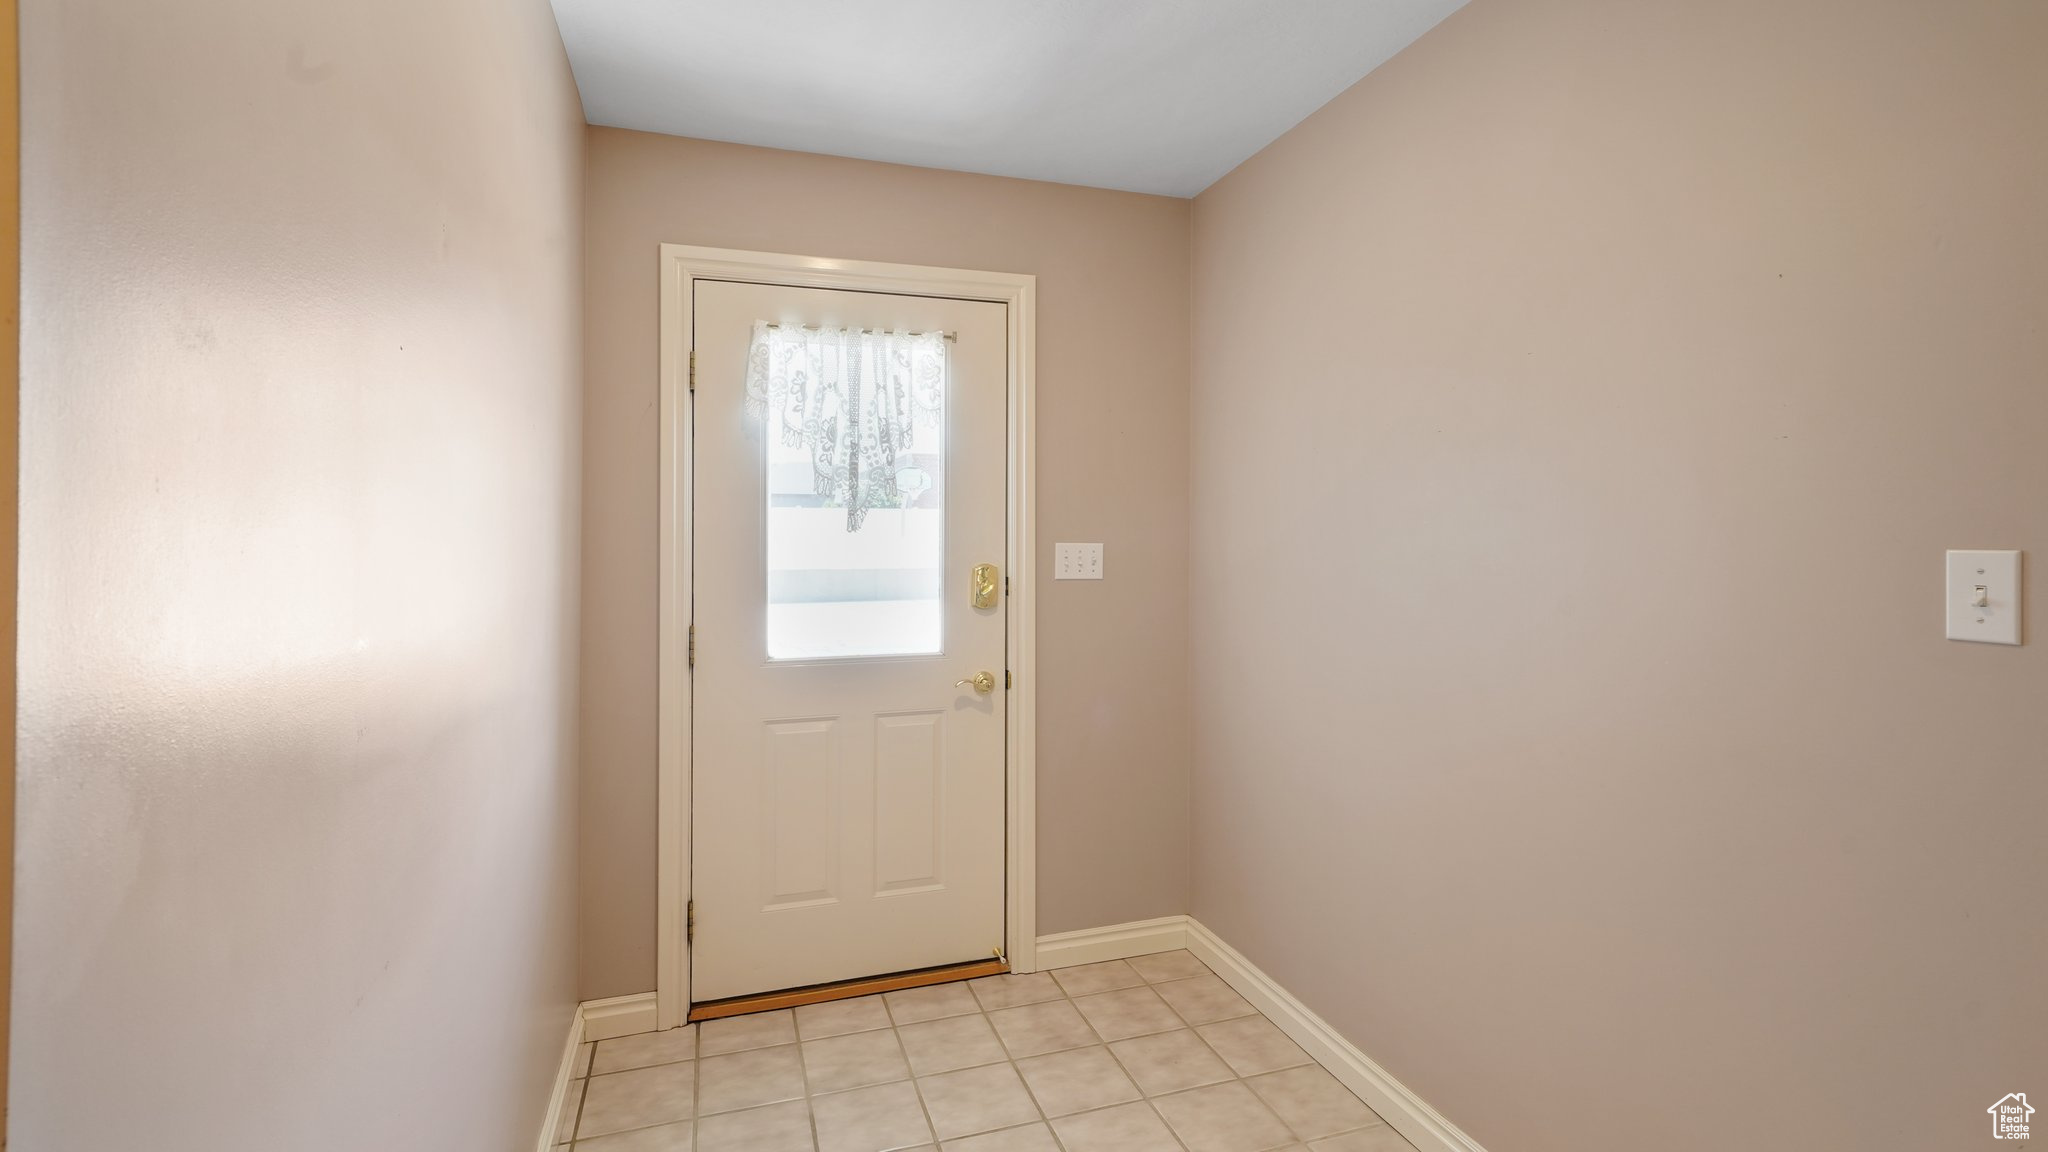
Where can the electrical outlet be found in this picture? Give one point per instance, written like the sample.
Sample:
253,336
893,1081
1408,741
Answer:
1077,562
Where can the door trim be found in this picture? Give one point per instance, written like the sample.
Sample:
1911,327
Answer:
682,266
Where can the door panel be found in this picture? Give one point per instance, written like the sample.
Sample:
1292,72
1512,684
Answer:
910,806
848,790
801,811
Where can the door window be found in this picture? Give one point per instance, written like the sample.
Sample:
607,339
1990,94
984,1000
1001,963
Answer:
855,432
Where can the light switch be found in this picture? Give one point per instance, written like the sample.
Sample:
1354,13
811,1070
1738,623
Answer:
1077,561
1984,597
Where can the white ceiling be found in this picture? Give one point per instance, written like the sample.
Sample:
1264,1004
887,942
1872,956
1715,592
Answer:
1147,95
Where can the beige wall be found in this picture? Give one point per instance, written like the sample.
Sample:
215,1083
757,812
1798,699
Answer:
1583,403
1112,377
300,431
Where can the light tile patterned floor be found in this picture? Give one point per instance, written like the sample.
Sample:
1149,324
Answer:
1153,1054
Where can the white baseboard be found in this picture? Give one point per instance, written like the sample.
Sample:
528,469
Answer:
1116,942
1406,1112
618,1016
563,1075
593,1020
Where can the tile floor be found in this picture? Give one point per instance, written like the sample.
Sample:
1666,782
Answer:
1152,1054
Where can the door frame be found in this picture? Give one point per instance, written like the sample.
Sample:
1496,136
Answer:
682,266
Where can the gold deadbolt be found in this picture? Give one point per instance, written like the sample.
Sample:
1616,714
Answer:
983,682
985,583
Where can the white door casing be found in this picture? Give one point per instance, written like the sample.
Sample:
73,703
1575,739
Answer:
847,803
683,270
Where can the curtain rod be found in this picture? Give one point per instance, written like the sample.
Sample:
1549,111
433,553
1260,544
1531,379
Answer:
954,336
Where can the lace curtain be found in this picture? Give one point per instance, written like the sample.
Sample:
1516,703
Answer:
850,398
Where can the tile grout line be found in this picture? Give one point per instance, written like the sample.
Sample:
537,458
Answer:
590,1073
1044,1117
582,1094
1093,1031
1068,997
1060,988
1010,1060
1211,1048
803,1071
916,1092
697,1084
1010,1057
1235,1075
980,1011
1147,1098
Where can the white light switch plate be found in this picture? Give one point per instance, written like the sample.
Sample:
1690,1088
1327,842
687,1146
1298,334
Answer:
1997,621
1077,561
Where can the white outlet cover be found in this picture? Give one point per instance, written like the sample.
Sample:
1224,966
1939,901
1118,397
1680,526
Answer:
1998,620
1077,562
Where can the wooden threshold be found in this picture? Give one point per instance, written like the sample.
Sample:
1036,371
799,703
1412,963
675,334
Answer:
846,990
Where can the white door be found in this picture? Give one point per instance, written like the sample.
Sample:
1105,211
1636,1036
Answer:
848,787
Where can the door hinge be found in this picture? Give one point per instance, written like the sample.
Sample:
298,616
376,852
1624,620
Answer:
690,922
693,645
693,369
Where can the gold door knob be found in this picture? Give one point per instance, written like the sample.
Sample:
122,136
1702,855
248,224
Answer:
983,682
